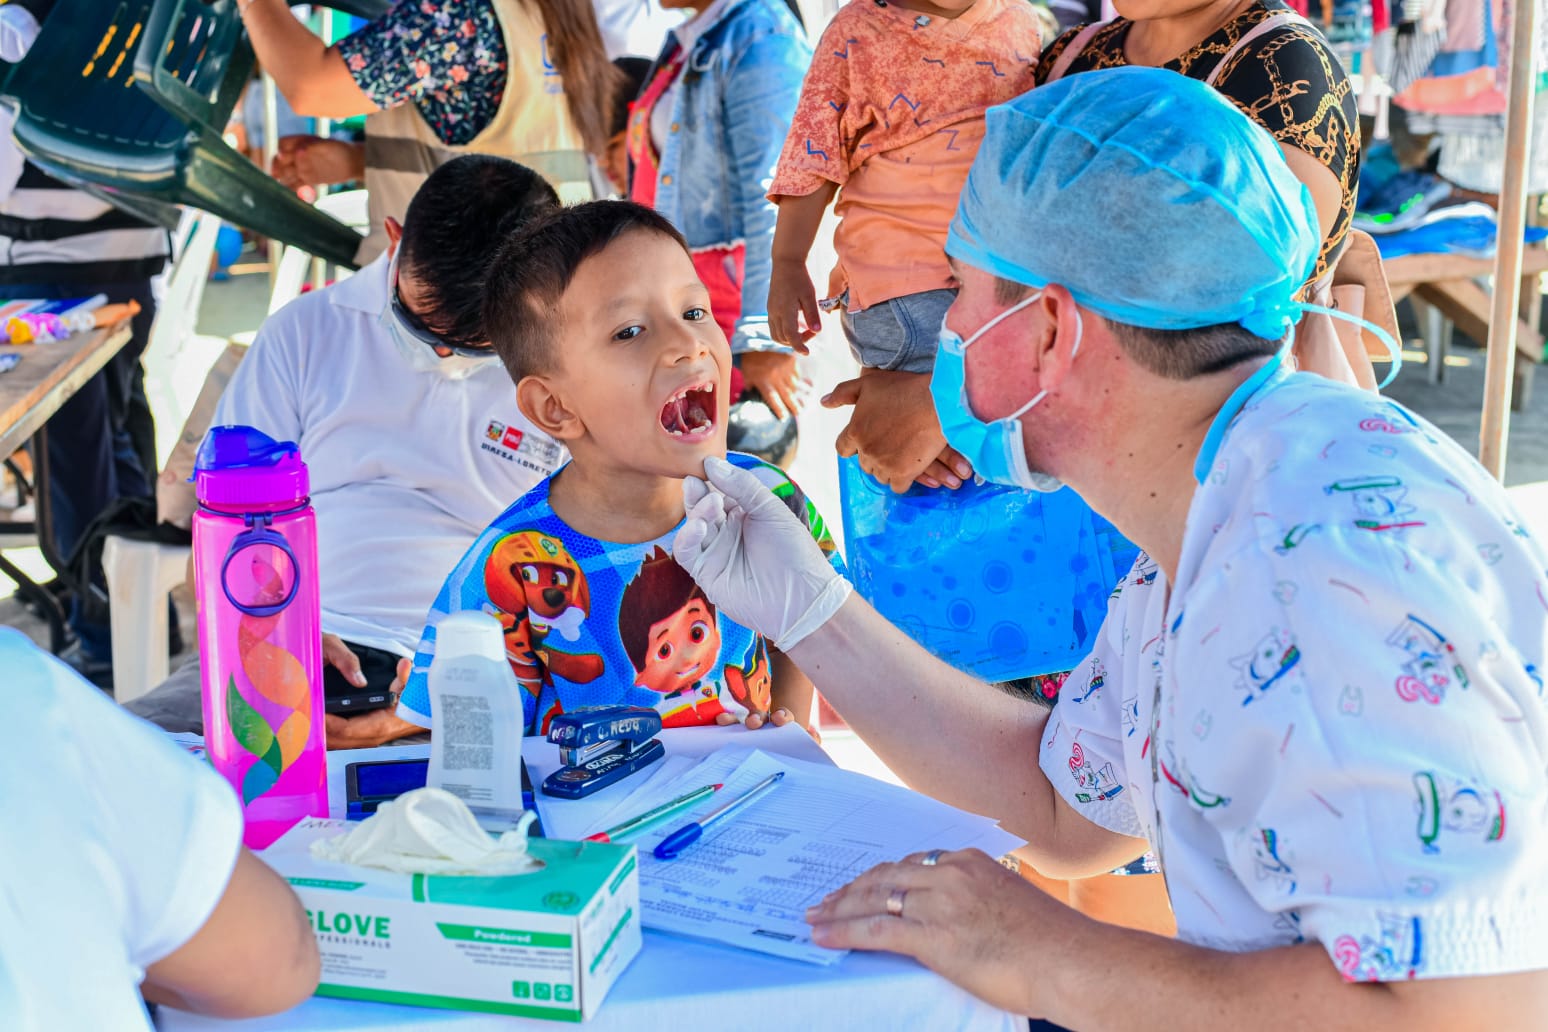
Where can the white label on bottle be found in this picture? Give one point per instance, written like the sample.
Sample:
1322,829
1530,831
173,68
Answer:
475,745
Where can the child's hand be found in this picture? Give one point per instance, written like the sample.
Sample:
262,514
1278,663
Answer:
779,718
778,382
791,297
949,470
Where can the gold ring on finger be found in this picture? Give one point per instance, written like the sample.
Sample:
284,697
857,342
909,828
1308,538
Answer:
895,902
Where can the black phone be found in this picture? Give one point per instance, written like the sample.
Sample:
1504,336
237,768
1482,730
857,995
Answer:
379,666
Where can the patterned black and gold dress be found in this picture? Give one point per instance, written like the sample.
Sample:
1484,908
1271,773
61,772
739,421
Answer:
1288,80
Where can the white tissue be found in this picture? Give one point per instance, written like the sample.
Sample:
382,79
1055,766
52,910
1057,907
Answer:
430,831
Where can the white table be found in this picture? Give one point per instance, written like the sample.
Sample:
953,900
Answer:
676,983
679,984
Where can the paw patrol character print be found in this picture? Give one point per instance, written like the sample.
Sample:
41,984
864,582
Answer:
671,634
553,585
1430,662
752,682
509,586
1088,686
1379,503
1267,861
520,648
1394,954
1095,784
1274,656
1454,806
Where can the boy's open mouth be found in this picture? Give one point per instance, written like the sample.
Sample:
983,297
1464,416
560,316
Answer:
690,413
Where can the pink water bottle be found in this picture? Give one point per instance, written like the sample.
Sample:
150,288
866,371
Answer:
260,631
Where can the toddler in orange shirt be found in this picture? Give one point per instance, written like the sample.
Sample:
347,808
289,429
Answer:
890,117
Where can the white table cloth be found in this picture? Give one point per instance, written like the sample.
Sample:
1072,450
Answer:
674,983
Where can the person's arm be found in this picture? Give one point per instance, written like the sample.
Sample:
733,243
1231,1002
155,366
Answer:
791,293
1326,193
793,690
211,926
255,955
943,732
761,90
1320,138
311,74
954,738
989,931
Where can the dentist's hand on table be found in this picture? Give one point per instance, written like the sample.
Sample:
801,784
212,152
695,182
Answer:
754,560
965,917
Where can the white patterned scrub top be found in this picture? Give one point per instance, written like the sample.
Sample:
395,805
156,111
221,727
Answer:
1334,728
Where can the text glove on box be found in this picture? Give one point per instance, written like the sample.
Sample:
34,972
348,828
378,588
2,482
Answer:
549,944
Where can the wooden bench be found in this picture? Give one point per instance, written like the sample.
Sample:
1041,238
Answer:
1448,285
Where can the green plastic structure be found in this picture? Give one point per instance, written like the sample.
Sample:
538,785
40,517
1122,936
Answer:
128,98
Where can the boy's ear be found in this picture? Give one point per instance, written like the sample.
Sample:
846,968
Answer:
536,398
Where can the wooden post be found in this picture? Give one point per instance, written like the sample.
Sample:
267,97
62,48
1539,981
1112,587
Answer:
1512,226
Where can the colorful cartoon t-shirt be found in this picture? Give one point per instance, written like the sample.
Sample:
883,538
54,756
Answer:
596,623
1330,725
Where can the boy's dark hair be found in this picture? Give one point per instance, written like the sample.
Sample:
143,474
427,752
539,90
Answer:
633,71
455,225
531,271
661,588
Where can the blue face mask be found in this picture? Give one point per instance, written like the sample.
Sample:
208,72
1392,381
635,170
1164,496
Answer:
996,449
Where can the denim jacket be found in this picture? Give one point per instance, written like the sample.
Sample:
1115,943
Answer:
733,107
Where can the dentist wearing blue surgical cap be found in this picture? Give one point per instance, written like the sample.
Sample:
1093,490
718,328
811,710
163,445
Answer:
1318,697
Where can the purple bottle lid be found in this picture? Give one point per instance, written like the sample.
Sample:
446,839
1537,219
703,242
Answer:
240,469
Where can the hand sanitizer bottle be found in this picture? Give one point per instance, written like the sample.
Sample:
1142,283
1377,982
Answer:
475,706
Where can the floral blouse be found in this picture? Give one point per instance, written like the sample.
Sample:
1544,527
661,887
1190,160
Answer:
447,56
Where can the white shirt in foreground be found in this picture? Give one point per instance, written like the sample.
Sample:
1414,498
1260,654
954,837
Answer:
406,466
1334,728
115,848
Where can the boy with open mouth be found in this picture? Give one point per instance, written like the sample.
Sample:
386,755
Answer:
606,330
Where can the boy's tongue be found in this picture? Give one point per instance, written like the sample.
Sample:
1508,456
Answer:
684,415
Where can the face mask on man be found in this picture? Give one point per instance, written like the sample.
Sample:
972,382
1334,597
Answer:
996,450
417,344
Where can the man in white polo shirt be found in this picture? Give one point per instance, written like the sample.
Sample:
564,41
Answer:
407,422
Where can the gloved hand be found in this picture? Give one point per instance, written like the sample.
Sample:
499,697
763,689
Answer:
753,558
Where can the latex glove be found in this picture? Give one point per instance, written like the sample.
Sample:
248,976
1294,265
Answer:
753,558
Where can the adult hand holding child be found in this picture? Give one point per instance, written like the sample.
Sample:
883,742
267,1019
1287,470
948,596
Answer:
895,432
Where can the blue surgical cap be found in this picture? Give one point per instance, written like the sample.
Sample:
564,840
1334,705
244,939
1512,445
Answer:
1148,196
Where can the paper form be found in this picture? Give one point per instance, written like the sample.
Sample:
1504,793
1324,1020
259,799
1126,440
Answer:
749,881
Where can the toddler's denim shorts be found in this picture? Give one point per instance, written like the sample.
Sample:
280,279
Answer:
900,334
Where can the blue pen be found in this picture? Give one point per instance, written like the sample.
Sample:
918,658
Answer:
673,845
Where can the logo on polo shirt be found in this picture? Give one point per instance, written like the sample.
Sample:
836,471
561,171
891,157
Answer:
536,453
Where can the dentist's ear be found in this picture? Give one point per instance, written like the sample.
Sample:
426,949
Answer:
1058,345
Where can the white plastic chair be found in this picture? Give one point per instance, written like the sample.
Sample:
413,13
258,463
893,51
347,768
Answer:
177,315
296,265
139,575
